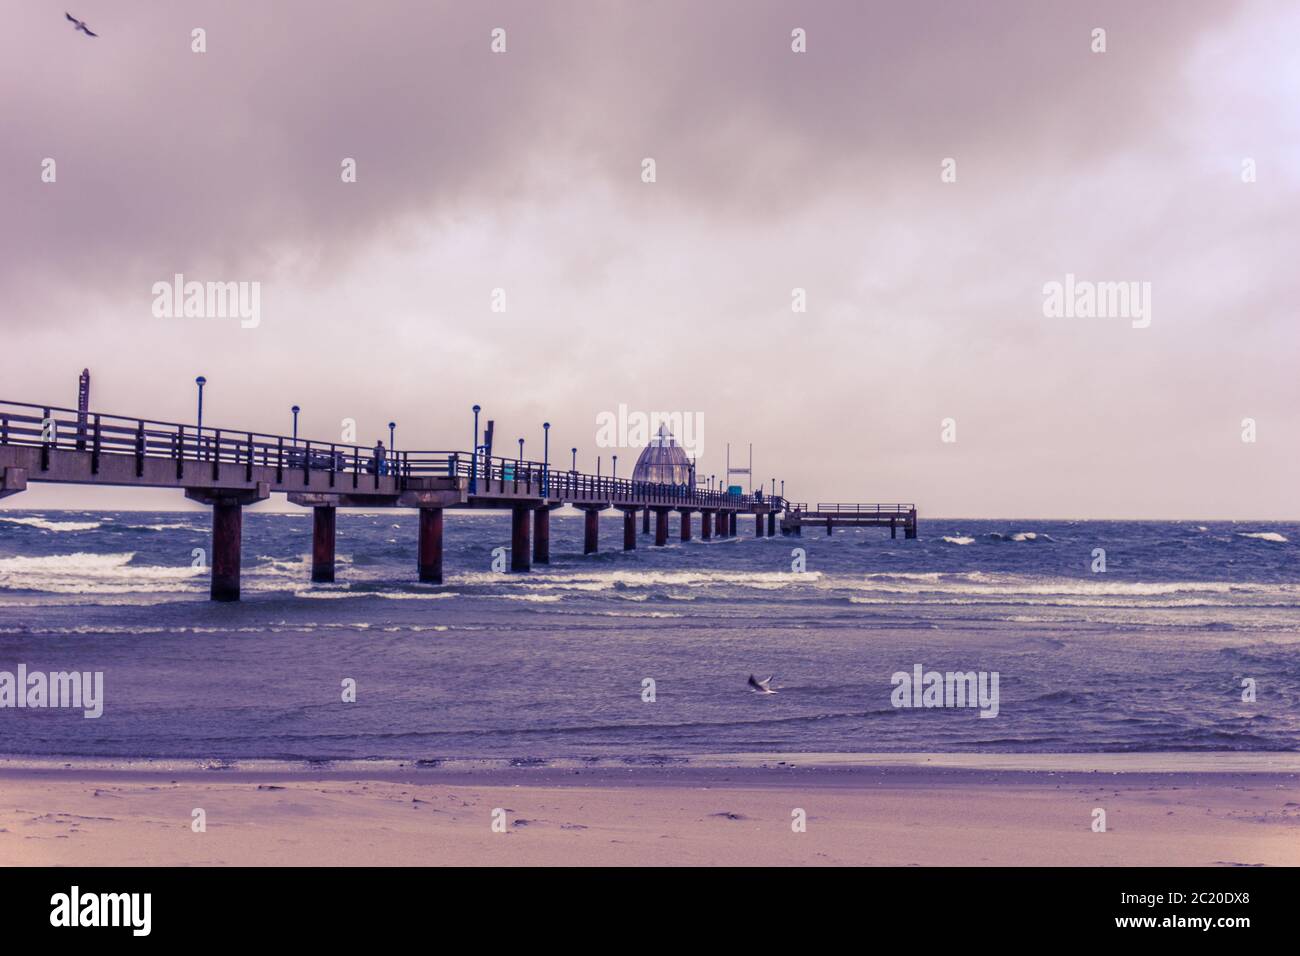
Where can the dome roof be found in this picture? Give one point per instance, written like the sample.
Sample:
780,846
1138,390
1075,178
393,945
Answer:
663,461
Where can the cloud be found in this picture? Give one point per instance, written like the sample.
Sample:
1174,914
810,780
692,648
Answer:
775,170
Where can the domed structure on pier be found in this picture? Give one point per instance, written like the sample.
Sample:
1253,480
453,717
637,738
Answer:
663,461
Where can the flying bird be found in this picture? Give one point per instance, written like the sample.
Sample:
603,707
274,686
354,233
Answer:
760,686
80,24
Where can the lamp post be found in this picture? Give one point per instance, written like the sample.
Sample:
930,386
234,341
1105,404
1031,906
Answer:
295,411
392,432
473,458
200,382
546,458
574,467
616,467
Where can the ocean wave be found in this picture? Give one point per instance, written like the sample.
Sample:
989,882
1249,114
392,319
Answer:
959,540
46,525
82,573
619,579
975,583
336,593
1272,536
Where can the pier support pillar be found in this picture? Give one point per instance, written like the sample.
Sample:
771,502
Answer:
893,527
227,539
909,529
323,524
645,521
429,546
828,526
12,481
629,529
542,536
686,523
227,533
771,524
590,530
519,558
758,526
706,525
661,527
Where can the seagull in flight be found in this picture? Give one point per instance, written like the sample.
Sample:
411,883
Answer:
760,686
80,24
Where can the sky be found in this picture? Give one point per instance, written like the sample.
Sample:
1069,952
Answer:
775,170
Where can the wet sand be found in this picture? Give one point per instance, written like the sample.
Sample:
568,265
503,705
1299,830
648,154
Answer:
885,815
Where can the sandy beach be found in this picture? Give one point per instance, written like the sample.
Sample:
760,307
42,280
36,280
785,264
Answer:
885,815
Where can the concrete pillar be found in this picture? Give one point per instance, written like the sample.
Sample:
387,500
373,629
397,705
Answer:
893,527
645,521
12,481
771,524
227,537
227,533
322,543
590,530
519,539
429,546
909,529
629,529
758,525
661,527
686,523
706,525
542,536
828,526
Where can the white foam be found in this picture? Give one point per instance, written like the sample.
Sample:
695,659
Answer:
1263,536
45,525
387,595
82,573
627,578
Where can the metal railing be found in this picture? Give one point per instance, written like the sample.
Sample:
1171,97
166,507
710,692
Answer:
834,507
53,428
859,509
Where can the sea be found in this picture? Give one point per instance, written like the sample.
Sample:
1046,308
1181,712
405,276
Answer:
1106,637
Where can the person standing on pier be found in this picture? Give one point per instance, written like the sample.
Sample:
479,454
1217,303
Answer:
381,459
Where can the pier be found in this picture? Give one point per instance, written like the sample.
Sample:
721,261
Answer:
227,469
834,515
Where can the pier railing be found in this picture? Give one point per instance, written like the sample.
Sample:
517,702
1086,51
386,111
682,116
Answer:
52,428
872,508
842,508
519,476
